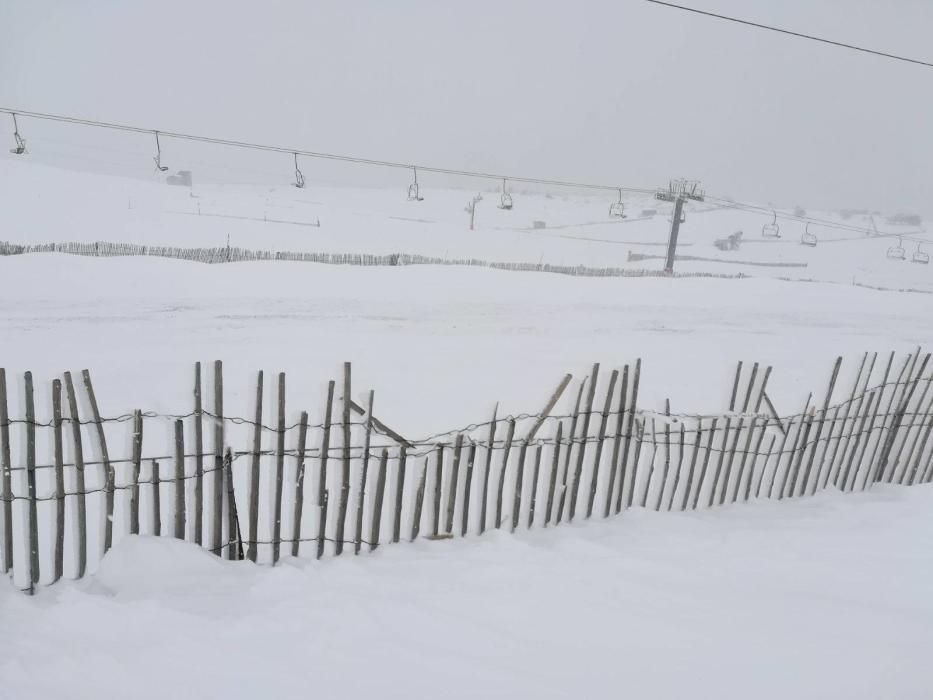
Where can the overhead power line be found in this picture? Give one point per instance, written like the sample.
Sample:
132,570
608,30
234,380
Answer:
800,35
316,154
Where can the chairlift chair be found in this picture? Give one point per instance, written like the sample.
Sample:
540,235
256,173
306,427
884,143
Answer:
617,208
20,147
808,239
299,177
158,156
505,200
920,256
414,194
897,252
771,230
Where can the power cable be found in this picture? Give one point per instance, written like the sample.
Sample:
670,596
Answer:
800,35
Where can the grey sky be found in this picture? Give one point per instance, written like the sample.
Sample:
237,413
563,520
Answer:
601,91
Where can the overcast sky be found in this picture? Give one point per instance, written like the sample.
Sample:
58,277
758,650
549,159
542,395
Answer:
617,91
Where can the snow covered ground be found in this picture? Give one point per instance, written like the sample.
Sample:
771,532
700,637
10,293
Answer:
826,597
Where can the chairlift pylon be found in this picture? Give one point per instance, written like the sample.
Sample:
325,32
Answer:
897,252
20,147
414,194
920,256
158,156
807,238
505,199
299,177
771,230
617,208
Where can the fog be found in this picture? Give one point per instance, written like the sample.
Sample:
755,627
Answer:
620,92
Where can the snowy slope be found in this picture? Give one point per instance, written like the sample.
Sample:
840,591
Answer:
819,598
43,204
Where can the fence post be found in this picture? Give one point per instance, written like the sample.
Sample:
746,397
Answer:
109,475
31,484
6,468
607,407
345,467
156,501
218,481
377,506
567,455
137,467
399,493
617,443
279,473
507,448
452,487
253,515
299,481
358,540
628,441
534,486
489,449
59,551
79,474
467,487
180,515
578,472
322,473
419,502
198,459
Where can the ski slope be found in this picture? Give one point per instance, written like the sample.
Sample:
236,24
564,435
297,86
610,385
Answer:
44,204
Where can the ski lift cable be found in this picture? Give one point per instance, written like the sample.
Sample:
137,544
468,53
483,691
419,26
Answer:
816,221
318,154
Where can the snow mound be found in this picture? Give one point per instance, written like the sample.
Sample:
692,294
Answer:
144,567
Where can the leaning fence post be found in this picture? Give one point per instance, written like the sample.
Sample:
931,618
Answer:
617,443
604,420
234,536
59,551
452,486
485,488
109,475
567,455
534,486
578,471
399,493
507,448
377,506
519,478
552,482
358,540
628,441
419,502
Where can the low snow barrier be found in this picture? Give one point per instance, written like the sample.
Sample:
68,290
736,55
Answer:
229,254
350,483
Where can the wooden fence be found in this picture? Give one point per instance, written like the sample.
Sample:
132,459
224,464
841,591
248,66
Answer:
591,451
229,254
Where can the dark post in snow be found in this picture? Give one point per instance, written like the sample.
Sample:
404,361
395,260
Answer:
675,230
